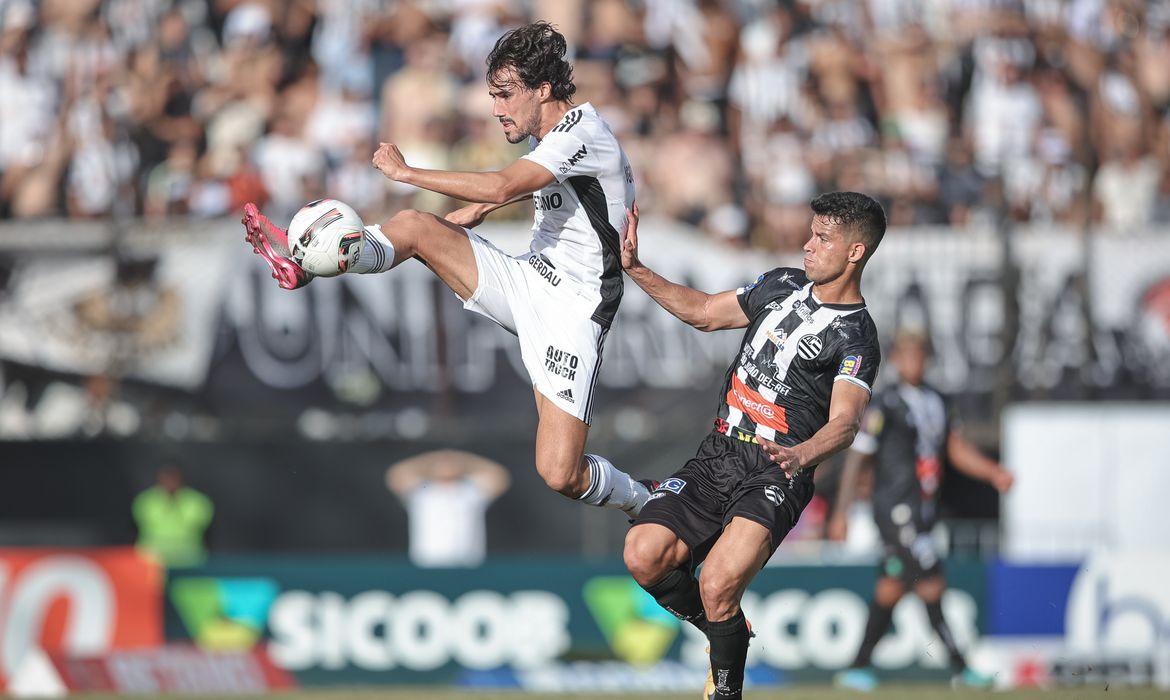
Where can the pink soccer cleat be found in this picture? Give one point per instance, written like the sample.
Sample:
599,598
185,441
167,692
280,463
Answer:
270,242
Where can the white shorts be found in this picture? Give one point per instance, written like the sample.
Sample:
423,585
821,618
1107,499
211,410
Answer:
560,343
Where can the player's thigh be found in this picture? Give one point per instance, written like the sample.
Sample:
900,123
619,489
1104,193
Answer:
560,439
737,556
652,551
441,245
929,588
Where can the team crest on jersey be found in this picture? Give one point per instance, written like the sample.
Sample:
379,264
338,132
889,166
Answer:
673,484
779,337
809,347
850,366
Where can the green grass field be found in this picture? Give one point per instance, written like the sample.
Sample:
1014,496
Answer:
899,692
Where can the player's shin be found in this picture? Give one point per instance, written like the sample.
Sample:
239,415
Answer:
729,646
939,623
678,594
377,252
613,488
875,628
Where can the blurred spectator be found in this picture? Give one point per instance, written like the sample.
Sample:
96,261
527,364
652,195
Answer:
172,520
446,494
190,108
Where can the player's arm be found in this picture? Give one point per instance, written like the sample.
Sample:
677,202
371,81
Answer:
968,459
846,405
473,215
707,312
522,177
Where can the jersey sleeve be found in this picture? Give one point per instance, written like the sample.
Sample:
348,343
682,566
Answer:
564,155
872,423
767,287
858,359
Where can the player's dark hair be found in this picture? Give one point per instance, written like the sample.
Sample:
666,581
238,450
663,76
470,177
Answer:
536,52
856,211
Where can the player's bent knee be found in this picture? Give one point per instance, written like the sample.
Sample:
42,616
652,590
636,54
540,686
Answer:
648,561
561,480
718,589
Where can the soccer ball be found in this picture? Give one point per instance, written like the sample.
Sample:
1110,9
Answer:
325,237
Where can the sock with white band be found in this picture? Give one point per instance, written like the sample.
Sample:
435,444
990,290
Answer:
612,488
377,252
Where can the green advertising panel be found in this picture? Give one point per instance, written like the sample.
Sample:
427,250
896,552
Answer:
545,624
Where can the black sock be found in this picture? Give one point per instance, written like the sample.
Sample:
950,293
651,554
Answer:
939,623
678,594
729,646
875,629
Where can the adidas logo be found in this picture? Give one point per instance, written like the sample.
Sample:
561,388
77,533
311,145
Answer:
567,395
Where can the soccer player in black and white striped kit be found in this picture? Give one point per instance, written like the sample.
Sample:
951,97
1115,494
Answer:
792,397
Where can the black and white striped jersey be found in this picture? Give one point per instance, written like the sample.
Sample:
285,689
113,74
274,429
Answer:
580,215
794,350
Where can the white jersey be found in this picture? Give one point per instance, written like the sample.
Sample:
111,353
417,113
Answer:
580,216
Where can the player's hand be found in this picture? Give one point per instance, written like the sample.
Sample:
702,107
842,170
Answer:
630,241
390,161
838,528
469,216
1002,480
784,457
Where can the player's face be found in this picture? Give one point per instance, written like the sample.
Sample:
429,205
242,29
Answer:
827,252
515,105
910,360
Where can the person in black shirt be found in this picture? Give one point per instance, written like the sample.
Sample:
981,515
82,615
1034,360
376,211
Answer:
793,396
906,433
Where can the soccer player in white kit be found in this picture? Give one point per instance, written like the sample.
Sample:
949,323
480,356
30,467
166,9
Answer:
559,297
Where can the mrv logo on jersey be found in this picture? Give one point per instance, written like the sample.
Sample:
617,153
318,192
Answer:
561,363
545,269
573,160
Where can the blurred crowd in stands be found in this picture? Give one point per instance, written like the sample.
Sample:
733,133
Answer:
733,112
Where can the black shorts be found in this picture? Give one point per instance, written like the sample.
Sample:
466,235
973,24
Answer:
908,553
728,478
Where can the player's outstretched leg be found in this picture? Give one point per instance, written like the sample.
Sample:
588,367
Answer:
441,245
661,564
592,479
737,556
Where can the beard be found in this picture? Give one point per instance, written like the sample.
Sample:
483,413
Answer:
526,131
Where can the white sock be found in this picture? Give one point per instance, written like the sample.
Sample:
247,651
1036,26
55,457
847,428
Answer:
377,252
613,488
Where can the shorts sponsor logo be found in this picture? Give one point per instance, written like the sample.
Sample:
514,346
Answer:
567,395
754,406
809,347
544,268
774,494
850,366
561,363
673,484
573,160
